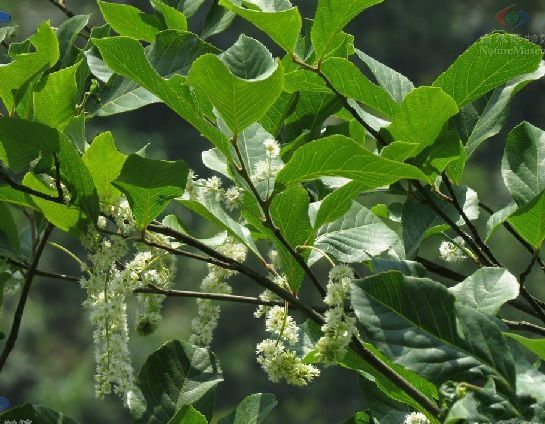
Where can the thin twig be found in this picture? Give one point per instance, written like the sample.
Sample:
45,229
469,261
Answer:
440,270
525,326
476,237
22,265
28,190
67,12
33,266
525,294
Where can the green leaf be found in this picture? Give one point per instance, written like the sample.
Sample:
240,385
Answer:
523,165
289,211
251,81
536,346
174,19
489,63
218,19
498,218
350,82
331,17
70,219
67,33
172,53
16,197
150,185
416,322
22,141
55,99
487,290
340,156
523,170
420,221
309,114
27,65
447,150
175,375
252,410
78,179
104,162
337,203
490,121
278,19
420,120
529,221
393,82
188,415
126,57
356,237
129,21
35,414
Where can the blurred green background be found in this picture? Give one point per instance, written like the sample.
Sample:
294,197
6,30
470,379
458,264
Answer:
52,363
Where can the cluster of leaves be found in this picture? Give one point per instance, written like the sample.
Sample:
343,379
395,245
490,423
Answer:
445,352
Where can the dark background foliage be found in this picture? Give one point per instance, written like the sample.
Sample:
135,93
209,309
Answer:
53,361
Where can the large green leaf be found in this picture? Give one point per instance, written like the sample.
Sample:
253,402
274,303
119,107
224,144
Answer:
489,63
484,124
338,202
126,57
242,83
174,376
26,66
356,237
174,19
529,221
350,82
129,21
9,237
331,17
278,19
523,165
150,185
523,170
393,82
417,323
55,99
487,290
252,410
218,19
172,53
104,162
289,211
22,141
340,156
34,414
420,120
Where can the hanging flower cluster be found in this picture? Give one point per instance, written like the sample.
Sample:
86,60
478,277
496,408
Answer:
108,281
275,356
208,312
339,326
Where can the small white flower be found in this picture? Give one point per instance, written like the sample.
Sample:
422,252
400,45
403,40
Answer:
272,147
340,272
416,418
450,252
232,197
